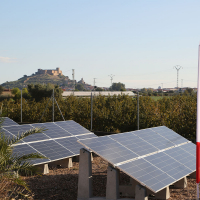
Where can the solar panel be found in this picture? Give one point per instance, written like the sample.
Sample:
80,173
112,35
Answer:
168,165
147,174
168,157
134,143
72,127
25,149
109,149
181,154
170,135
19,129
70,143
55,143
53,131
154,139
52,150
6,121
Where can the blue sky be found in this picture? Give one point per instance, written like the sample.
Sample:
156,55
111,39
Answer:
137,41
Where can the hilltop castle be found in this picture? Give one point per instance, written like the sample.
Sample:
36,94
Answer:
50,71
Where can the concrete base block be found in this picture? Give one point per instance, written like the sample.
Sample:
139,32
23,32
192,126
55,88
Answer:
181,184
85,175
112,186
193,175
140,193
163,194
43,168
63,163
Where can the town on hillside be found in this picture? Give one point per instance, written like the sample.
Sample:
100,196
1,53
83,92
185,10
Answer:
56,76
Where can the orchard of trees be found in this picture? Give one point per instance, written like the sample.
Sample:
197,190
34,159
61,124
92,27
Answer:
111,114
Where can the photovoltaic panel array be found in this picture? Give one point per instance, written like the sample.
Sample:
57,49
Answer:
6,121
155,157
59,141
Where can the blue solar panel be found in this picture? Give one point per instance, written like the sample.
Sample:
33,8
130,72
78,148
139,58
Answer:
52,130
52,150
5,121
109,149
181,155
72,127
134,143
25,149
154,139
170,135
147,174
150,156
18,130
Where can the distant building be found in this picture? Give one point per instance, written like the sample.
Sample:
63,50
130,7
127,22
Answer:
96,93
81,81
55,72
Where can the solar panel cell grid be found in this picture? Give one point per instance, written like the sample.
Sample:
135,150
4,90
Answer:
52,150
52,130
170,135
167,164
154,139
5,121
147,174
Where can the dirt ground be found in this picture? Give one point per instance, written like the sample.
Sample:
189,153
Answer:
62,183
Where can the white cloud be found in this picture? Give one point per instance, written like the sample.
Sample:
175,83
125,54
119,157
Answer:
7,59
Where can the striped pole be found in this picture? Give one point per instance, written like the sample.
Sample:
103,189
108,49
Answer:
198,129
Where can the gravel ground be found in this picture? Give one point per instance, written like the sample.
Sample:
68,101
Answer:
62,183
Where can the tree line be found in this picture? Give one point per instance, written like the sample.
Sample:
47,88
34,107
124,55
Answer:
113,113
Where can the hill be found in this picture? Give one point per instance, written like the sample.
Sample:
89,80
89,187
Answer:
38,78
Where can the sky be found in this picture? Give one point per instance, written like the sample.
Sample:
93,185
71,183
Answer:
139,43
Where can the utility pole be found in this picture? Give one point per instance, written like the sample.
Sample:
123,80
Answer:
111,78
177,67
94,81
181,83
162,89
73,79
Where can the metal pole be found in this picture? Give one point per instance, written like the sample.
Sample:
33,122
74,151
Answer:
91,110
21,105
53,107
138,111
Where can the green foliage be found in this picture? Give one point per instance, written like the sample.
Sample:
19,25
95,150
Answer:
39,91
1,89
12,164
118,87
114,112
79,87
99,89
188,91
17,93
